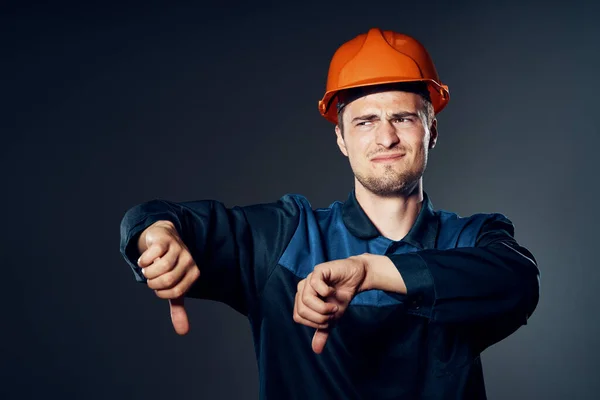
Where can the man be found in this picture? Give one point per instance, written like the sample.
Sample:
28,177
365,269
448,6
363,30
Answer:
379,297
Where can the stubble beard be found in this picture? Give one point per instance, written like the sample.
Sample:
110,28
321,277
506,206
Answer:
392,182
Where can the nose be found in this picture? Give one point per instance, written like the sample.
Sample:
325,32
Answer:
387,135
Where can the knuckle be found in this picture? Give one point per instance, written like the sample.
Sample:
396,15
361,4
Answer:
161,264
314,279
185,258
306,298
190,261
177,291
168,280
195,274
167,244
159,243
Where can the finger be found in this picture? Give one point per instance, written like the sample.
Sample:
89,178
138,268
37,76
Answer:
163,264
300,320
312,316
321,323
300,286
179,316
152,252
319,340
310,298
318,284
167,280
182,287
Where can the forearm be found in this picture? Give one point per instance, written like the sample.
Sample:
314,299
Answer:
227,244
471,284
381,274
492,290
460,284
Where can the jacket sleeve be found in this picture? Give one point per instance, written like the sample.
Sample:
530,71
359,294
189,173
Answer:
235,248
492,287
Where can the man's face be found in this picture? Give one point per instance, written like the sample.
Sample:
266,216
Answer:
387,141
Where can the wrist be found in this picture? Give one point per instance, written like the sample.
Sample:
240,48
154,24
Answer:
381,273
366,262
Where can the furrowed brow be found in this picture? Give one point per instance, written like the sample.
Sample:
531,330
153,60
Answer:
404,114
367,117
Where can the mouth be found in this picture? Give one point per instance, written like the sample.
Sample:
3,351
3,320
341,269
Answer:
388,157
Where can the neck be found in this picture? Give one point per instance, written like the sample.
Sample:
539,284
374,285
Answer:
393,216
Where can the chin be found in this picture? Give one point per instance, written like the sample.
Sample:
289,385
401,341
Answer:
386,188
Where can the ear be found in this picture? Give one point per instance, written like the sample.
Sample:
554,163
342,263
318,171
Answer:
433,134
340,141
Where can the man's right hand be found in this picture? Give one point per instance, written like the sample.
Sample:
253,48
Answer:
169,268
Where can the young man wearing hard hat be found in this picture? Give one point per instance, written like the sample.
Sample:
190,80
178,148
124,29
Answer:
379,297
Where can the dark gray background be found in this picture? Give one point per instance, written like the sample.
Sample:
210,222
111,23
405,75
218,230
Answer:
106,107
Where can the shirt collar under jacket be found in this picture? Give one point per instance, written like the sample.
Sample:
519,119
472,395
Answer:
421,235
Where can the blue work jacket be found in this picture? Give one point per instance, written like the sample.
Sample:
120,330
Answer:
469,285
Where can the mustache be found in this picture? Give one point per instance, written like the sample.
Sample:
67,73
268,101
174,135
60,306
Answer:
389,152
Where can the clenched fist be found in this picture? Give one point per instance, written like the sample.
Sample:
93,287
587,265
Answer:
169,268
325,294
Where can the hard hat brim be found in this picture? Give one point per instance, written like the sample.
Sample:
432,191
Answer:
439,94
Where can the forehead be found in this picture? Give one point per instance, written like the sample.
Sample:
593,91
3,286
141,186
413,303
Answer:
384,102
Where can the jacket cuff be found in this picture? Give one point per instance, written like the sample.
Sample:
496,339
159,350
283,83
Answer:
420,290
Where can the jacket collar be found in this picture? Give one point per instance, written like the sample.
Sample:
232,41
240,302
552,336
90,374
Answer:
421,235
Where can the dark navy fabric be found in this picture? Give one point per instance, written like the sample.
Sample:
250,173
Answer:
469,285
322,236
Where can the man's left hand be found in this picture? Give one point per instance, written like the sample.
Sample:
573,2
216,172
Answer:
324,295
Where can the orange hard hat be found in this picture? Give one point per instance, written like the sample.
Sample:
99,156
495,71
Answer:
379,57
